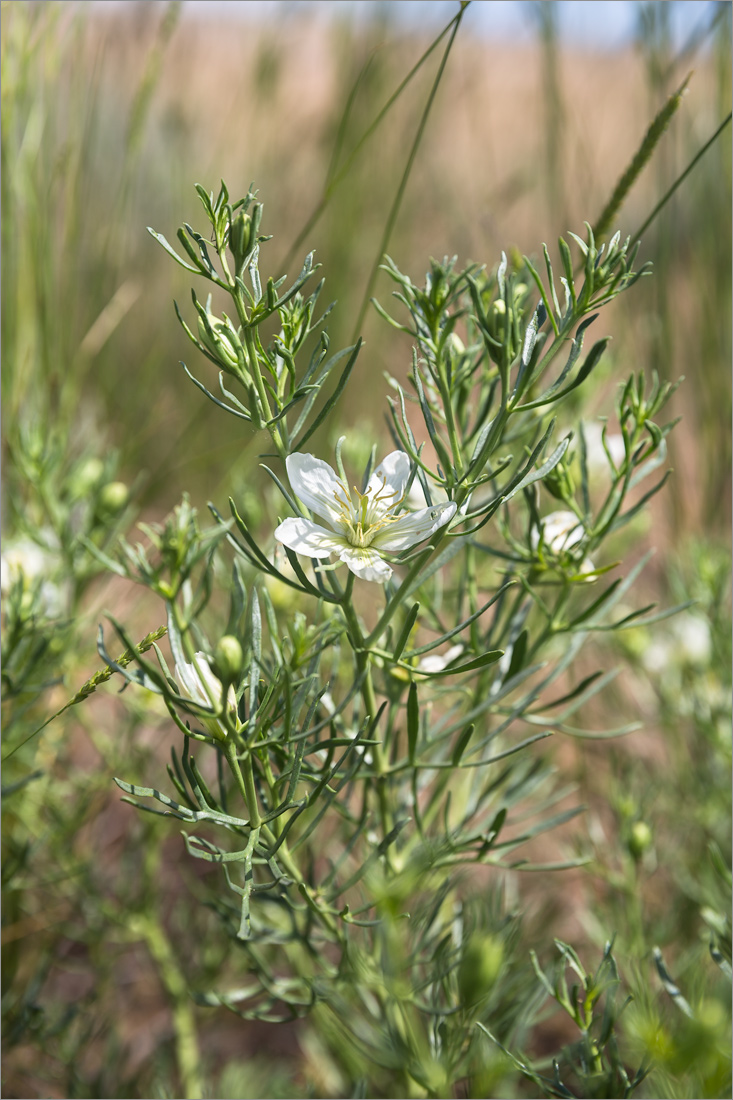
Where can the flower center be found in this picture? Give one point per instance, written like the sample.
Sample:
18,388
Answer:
372,512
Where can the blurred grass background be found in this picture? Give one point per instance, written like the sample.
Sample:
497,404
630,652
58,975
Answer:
110,113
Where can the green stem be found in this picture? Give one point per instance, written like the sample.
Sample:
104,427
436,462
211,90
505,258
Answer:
665,199
245,782
184,1021
472,592
363,664
275,430
334,178
392,216
254,366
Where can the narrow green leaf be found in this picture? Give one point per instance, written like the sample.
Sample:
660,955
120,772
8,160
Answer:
471,666
596,605
543,294
541,471
413,722
669,984
567,263
172,252
461,743
332,399
255,643
216,401
519,652
291,501
461,626
405,632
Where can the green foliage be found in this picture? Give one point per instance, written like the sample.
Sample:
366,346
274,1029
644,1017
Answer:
361,780
437,778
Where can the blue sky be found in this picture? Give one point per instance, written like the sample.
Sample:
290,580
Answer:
605,24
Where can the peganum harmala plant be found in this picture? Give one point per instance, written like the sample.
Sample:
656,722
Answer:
373,736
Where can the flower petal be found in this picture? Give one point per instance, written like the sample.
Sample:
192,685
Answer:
560,531
436,662
196,678
413,527
386,486
317,485
306,537
366,563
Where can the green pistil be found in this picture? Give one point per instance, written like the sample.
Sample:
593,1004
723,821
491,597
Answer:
356,517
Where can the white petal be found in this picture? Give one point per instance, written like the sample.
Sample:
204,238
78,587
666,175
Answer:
413,527
597,457
387,484
190,675
306,537
587,567
560,531
366,563
196,677
436,662
317,485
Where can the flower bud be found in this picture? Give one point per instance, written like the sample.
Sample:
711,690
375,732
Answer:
497,318
113,498
221,341
243,236
500,326
560,483
479,968
240,235
86,476
640,839
228,659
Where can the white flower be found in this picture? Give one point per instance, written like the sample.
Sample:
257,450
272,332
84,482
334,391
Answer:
363,525
595,451
196,678
686,641
22,558
561,531
436,662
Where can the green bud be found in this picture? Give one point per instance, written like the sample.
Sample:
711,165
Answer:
228,659
497,318
560,483
222,342
479,968
640,839
243,236
500,325
87,475
240,235
113,497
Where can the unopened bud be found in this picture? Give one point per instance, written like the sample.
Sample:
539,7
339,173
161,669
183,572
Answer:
113,497
482,960
640,839
221,341
240,235
228,659
86,476
560,483
500,325
455,343
497,316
